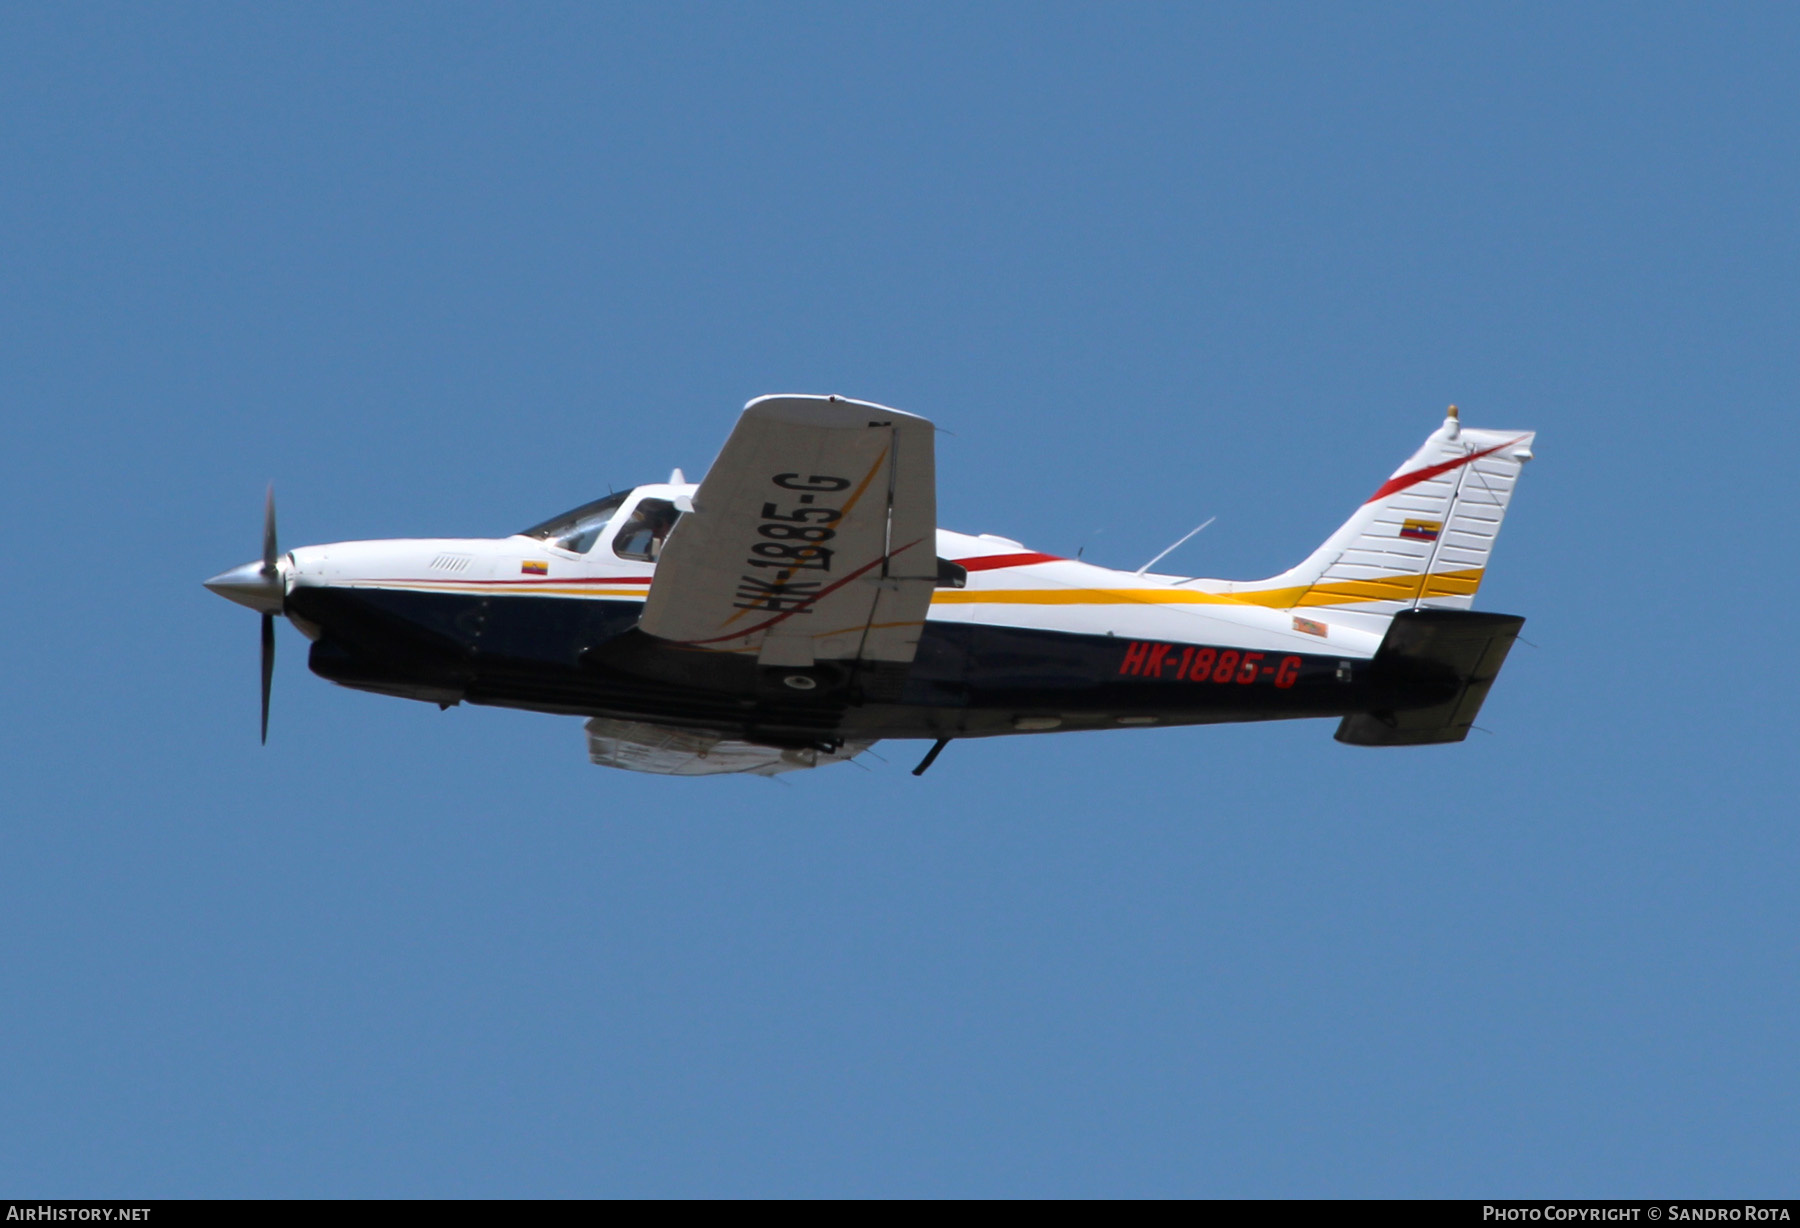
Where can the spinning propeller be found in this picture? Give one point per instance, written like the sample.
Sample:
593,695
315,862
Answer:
261,586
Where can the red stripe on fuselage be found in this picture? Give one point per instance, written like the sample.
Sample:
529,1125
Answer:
1394,486
991,561
534,580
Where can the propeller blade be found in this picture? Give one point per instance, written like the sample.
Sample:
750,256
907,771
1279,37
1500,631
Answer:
268,670
269,552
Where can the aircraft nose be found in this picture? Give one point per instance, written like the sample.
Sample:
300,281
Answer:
249,585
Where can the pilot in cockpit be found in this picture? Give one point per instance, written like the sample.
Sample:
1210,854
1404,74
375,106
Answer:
641,536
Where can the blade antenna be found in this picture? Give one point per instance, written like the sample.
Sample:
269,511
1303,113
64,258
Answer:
1171,550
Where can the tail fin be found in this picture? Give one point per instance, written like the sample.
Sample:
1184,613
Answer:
1421,541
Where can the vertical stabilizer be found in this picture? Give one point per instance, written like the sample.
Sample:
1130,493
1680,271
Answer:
1421,541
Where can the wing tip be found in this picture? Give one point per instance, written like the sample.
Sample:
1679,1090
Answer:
825,410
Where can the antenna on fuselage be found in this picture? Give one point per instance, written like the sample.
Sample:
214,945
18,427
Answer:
1171,550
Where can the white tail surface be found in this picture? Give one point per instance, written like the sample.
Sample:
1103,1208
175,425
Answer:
1421,541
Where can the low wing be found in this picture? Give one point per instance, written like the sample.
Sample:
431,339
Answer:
812,539
658,749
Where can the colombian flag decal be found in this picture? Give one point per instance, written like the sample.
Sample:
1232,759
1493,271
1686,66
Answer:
532,567
1422,530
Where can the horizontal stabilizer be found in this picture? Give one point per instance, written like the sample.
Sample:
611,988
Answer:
1457,653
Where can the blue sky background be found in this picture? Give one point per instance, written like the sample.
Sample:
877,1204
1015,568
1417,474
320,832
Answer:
446,270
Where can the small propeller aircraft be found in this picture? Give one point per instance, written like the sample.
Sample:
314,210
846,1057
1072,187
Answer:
800,603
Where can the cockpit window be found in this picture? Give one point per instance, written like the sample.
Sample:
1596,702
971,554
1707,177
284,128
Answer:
641,537
577,531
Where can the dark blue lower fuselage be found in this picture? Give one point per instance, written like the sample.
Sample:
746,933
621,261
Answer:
586,657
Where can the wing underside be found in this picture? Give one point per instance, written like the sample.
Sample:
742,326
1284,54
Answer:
640,747
812,539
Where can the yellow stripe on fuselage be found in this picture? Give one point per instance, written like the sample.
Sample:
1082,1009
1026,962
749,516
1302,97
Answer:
494,590
1335,593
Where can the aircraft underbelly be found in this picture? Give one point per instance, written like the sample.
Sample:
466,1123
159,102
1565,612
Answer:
968,679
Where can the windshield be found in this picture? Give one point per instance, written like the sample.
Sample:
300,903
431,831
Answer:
577,531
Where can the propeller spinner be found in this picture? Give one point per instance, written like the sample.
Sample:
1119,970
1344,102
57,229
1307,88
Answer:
261,586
